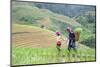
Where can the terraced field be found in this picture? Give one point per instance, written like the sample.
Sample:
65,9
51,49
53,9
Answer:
31,36
34,45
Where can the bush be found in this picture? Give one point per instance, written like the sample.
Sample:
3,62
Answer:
90,41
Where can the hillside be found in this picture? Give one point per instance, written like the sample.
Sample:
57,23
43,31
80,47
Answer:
32,15
88,20
31,36
70,10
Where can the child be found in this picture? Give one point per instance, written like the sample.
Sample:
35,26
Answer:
58,41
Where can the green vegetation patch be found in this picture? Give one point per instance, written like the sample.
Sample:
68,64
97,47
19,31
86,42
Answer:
24,56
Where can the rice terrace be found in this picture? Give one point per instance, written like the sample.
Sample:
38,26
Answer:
34,27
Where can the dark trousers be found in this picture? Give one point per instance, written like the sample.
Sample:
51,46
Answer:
71,44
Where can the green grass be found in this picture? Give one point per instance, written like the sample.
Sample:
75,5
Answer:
22,56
